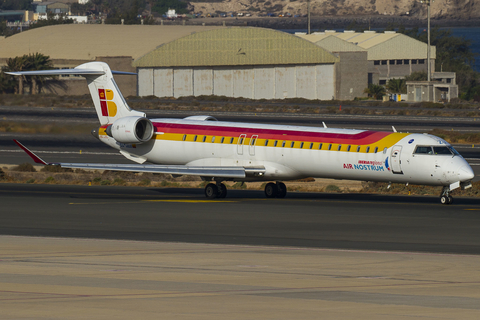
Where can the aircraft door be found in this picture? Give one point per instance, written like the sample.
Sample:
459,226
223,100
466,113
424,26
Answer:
251,148
396,160
240,142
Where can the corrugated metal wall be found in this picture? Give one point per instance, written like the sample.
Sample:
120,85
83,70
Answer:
259,82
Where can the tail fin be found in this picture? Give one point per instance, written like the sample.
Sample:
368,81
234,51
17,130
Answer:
107,98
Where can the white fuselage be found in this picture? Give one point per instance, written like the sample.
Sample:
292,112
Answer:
293,152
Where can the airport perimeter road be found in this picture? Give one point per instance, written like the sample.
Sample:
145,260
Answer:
346,221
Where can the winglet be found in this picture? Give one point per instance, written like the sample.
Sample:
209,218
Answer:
35,158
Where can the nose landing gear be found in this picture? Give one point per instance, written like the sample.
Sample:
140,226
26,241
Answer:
445,198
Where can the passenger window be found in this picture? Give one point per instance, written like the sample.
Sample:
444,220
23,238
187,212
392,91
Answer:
184,137
368,149
348,148
283,144
195,138
231,140
204,138
385,150
358,148
311,145
275,144
330,146
292,144
223,139
241,141
301,145
266,143
252,141
339,147
376,149
213,139
320,146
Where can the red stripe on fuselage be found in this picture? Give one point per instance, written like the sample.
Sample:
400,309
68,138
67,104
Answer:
361,138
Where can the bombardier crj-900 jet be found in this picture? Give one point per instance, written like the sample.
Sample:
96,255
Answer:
219,151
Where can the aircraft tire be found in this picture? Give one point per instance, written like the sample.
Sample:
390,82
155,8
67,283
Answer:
211,191
271,190
222,191
446,199
282,190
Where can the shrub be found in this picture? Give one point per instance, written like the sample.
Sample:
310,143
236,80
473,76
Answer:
24,167
332,188
55,169
31,181
144,182
50,179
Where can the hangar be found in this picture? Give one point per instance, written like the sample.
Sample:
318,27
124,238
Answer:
69,45
244,62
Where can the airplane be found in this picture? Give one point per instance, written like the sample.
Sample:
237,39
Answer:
220,151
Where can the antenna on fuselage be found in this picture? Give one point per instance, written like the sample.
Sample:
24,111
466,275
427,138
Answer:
324,125
393,128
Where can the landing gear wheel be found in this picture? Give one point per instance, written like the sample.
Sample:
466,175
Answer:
282,190
222,191
211,191
446,199
271,190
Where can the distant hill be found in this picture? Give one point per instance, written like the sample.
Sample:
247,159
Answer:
440,9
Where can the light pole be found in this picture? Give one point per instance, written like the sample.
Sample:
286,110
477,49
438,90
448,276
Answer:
427,2
308,16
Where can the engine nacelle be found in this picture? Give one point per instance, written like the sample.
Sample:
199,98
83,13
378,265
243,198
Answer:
131,130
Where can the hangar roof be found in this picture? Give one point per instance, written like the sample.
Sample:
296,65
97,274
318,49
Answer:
236,46
330,42
88,41
387,45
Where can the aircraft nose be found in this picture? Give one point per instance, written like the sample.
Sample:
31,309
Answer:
465,173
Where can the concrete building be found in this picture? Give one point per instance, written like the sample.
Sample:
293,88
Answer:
390,55
442,88
352,69
252,63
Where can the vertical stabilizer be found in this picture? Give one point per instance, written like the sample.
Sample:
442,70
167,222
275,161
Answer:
107,98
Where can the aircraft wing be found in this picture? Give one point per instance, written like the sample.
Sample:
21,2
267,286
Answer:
224,172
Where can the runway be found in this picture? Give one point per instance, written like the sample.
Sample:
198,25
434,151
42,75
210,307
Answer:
317,220
73,252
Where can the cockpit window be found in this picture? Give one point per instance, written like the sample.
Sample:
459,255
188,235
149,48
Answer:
442,150
455,152
423,150
436,150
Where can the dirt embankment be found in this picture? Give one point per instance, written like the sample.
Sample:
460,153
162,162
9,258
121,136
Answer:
440,9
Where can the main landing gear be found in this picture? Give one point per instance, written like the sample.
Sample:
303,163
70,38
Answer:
445,198
275,190
219,190
213,191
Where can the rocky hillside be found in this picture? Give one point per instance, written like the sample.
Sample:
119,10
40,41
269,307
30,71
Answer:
440,9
